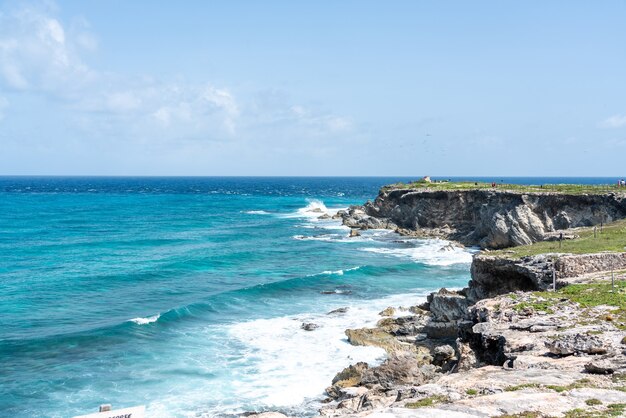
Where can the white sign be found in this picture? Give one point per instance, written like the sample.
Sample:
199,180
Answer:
134,412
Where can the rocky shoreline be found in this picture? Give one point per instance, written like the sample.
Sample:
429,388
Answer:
504,355
508,345
517,354
487,218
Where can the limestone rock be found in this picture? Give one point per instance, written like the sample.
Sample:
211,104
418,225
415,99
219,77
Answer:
309,326
338,311
489,218
447,306
566,345
349,377
399,370
390,311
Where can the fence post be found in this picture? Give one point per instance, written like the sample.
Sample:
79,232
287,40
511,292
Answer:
612,280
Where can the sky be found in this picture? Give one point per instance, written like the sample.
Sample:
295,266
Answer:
317,88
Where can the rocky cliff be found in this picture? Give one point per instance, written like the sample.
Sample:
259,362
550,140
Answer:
520,354
496,275
488,218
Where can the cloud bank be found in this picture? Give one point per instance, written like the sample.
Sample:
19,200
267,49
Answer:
44,59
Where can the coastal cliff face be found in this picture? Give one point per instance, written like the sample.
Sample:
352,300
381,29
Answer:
496,275
488,218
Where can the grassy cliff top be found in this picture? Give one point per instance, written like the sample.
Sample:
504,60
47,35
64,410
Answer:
612,237
519,188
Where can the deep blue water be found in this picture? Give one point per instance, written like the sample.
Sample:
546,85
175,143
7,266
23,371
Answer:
187,294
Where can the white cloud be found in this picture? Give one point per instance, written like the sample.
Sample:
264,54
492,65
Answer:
615,121
37,55
42,56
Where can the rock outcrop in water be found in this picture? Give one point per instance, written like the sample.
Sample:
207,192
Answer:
488,218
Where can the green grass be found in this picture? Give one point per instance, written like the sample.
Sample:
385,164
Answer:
592,402
616,409
537,305
471,392
612,238
612,410
430,401
591,294
521,188
522,386
587,295
576,385
581,413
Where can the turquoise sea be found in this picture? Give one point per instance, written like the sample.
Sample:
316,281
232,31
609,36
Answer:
187,295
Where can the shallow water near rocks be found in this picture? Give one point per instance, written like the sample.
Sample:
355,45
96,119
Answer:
187,295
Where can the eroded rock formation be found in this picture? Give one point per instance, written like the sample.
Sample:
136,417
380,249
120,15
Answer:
488,218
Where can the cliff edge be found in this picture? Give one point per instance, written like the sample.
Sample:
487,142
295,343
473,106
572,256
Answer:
491,219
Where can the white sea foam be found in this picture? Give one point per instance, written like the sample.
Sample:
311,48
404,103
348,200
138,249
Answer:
146,320
313,210
434,252
285,365
335,272
256,212
313,237
331,237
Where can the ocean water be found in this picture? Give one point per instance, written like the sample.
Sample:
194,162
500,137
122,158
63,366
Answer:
187,295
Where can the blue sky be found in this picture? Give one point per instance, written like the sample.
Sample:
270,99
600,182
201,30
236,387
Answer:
313,88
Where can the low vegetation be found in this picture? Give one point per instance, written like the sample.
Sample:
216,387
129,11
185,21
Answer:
522,188
430,401
527,414
576,385
612,410
587,295
612,237
536,305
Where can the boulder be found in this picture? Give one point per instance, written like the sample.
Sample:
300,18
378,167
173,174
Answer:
402,369
309,326
567,345
338,311
447,306
347,378
389,311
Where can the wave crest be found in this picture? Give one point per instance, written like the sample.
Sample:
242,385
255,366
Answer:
433,252
146,320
